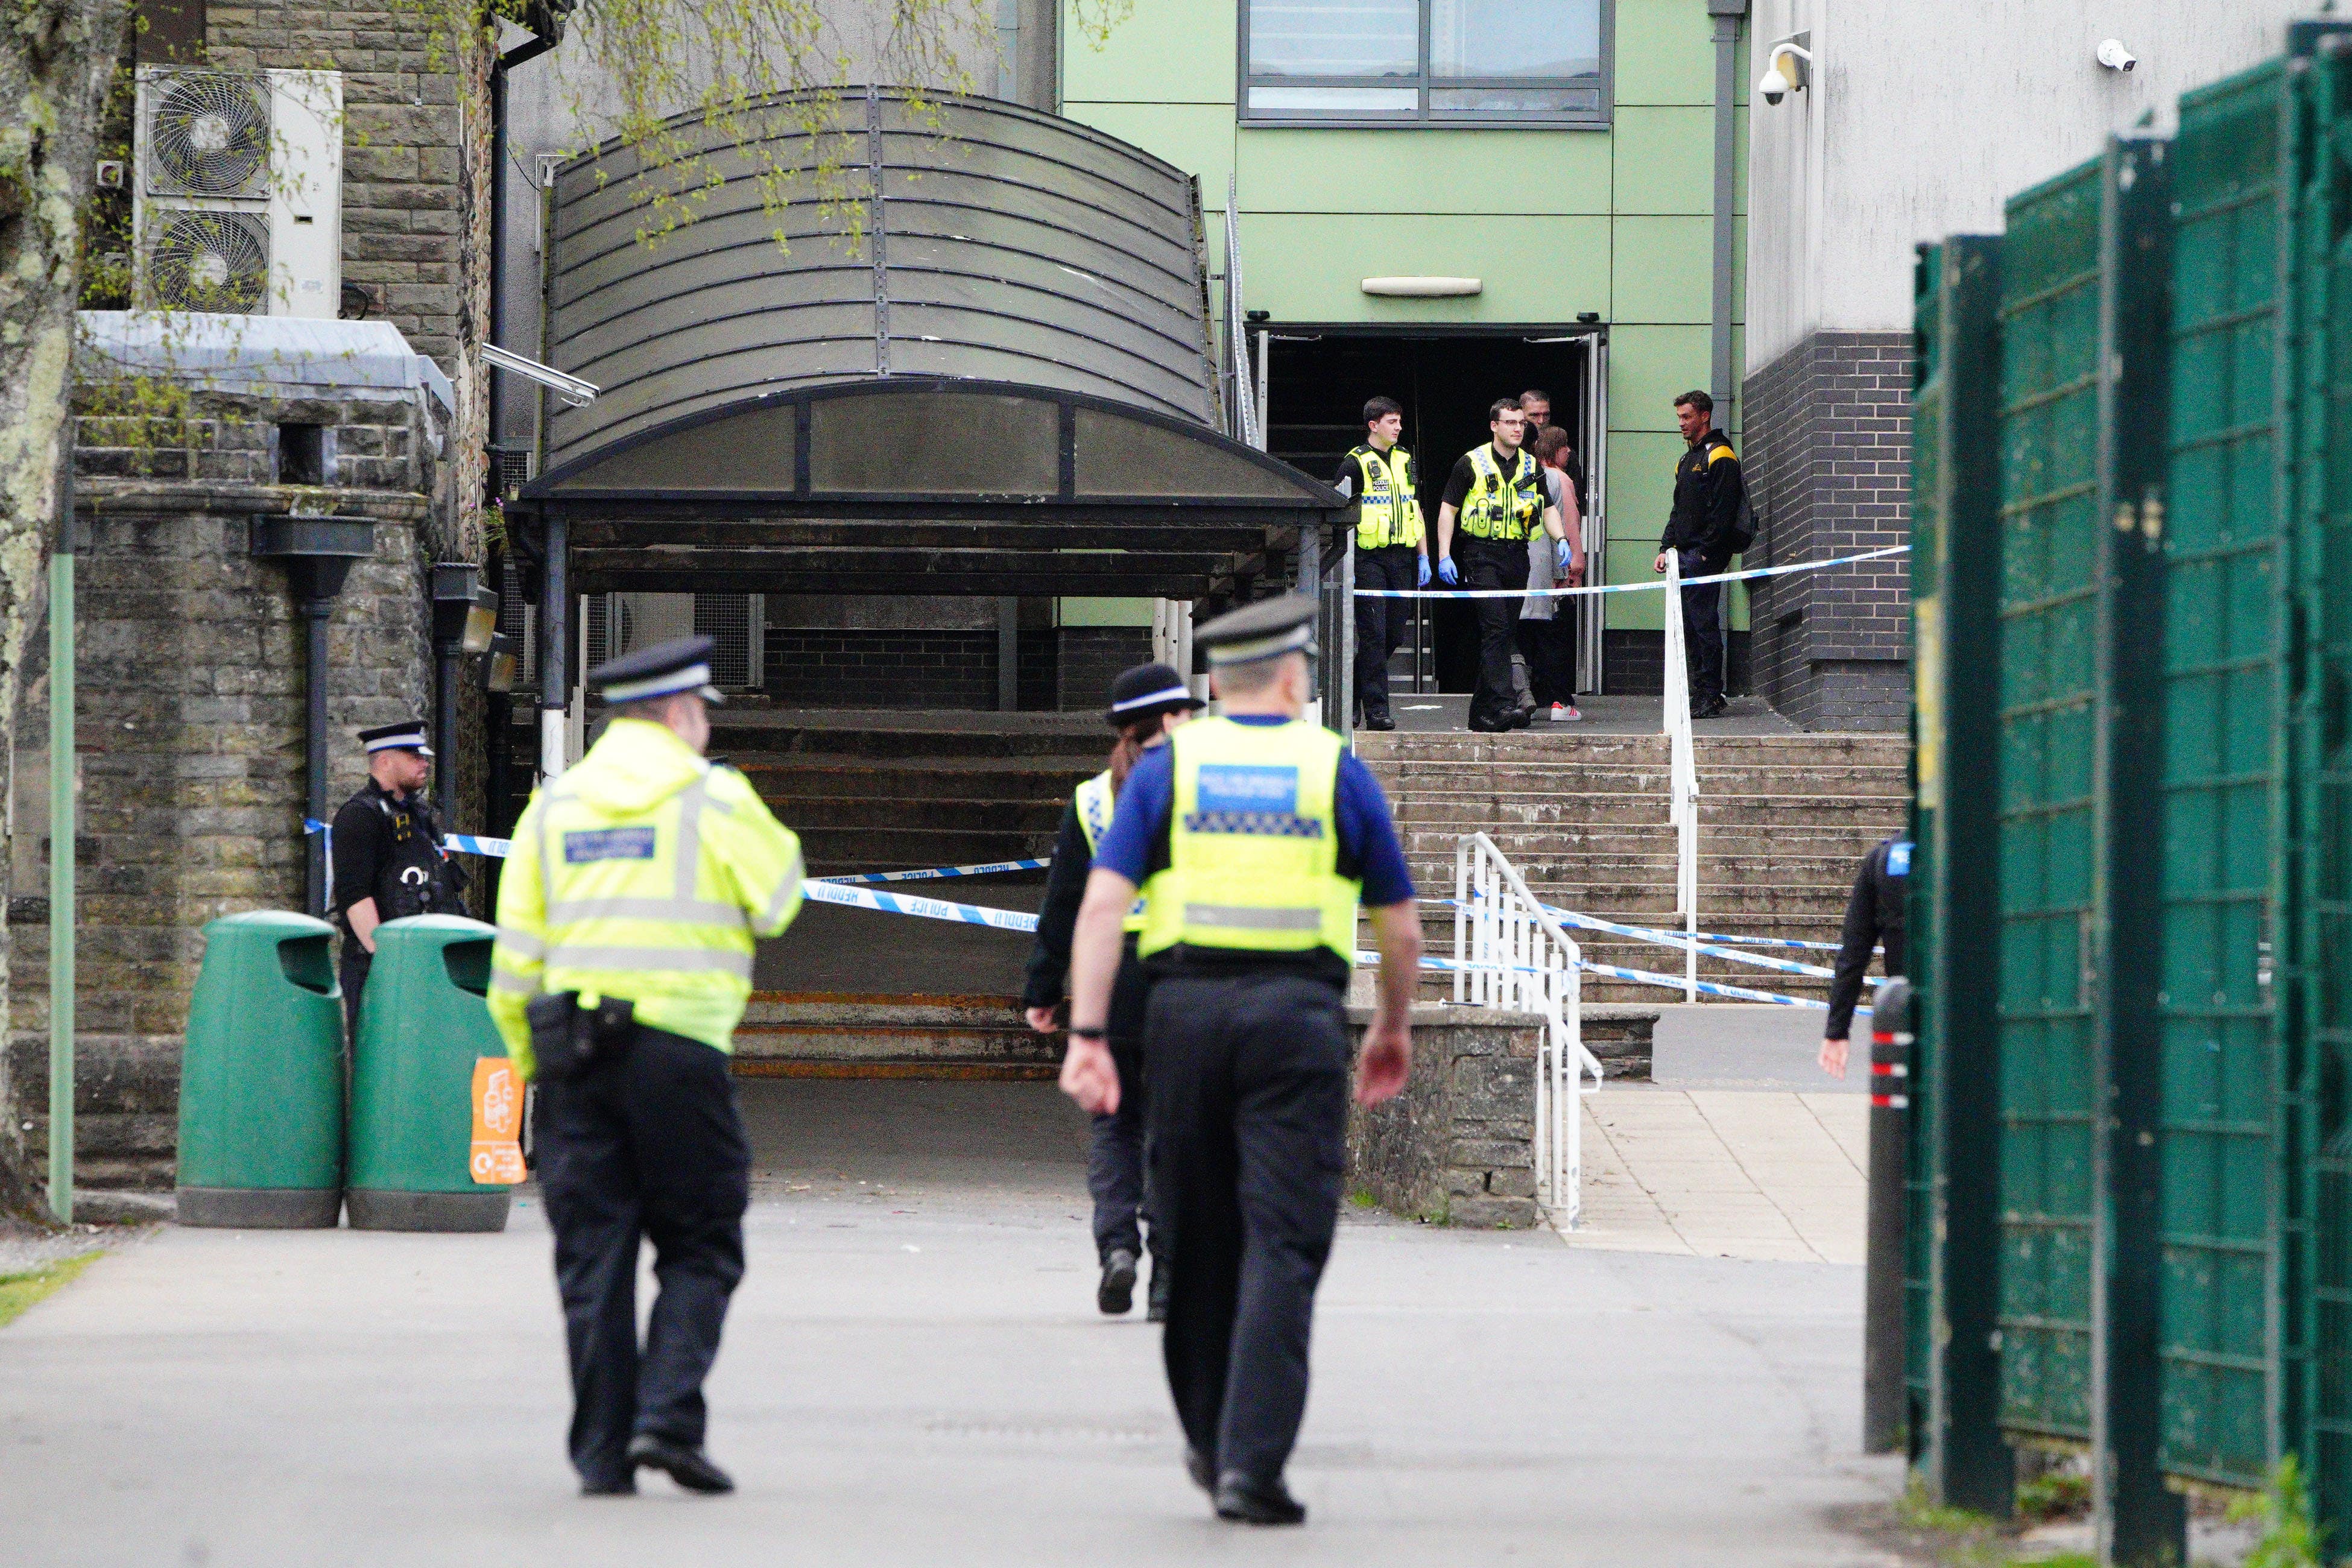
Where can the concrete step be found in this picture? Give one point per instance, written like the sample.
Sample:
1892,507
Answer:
831,850
1591,778
911,778
1523,746
950,813
840,1034
1030,737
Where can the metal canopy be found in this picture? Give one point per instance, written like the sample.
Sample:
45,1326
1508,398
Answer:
989,370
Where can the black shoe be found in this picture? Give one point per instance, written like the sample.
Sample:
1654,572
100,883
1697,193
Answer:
689,1467
1115,1294
625,1486
1712,708
1156,1307
1481,724
1202,1469
1246,1501
1519,718
1380,722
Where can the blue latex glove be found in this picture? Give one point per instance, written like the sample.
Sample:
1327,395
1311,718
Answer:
1565,554
1446,572
1424,573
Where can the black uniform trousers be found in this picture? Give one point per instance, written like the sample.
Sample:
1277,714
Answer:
647,1144
1382,624
1703,628
352,968
1249,1116
1493,564
1116,1174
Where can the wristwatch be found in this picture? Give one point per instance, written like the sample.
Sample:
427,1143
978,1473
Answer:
1082,1032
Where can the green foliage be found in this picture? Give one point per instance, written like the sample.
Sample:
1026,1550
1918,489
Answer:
2291,1537
2055,1494
1917,1510
18,1292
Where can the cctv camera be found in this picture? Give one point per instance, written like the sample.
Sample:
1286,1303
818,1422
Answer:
2115,57
1774,86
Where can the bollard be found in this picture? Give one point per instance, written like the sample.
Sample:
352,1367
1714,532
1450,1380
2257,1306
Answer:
1885,1399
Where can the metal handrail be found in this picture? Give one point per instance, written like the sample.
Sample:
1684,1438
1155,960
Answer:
1511,954
1682,773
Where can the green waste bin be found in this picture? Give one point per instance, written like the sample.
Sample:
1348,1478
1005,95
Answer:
261,1078
425,1042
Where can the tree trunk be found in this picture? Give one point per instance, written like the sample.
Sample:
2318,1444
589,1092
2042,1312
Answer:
57,61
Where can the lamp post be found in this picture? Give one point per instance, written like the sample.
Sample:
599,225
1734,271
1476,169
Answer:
318,553
465,620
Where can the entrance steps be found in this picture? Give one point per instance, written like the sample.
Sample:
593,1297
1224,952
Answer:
1784,821
843,1035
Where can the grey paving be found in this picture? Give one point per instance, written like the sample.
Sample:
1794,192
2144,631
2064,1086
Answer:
915,1374
1747,1045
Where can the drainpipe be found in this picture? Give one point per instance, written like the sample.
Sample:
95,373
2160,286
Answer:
1723,380
319,553
547,31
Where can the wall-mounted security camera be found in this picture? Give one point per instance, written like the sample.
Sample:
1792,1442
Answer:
2115,57
571,388
1791,68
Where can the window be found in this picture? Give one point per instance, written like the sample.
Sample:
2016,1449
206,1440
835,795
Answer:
1424,61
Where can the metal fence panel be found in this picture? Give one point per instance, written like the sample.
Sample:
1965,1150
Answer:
2044,687
2221,774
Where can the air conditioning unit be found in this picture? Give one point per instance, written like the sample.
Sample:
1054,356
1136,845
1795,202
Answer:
237,190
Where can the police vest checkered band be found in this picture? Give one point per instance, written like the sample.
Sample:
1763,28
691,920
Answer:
1280,824
1497,508
1386,513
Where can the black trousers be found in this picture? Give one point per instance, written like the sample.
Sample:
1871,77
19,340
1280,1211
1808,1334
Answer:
1116,1174
1493,564
646,1144
1703,628
1382,624
352,972
1249,1119
1551,661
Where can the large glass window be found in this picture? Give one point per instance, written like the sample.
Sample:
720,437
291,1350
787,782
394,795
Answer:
1425,60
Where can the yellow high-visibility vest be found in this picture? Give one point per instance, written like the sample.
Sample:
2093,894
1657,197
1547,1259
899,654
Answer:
644,873
1387,511
1497,508
1094,805
1254,843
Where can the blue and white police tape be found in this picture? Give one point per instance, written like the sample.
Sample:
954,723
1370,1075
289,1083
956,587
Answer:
988,869
1626,587
1704,987
1681,942
928,908
469,844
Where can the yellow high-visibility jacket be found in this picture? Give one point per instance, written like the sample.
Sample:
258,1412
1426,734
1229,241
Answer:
644,872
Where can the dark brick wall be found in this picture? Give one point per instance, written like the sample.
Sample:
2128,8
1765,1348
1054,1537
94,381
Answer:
828,668
1829,466
1630,662
1092,657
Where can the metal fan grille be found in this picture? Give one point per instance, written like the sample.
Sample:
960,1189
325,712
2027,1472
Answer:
218,262
208,135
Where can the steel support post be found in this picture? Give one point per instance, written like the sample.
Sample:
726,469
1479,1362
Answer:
61,875
2141,1522
1724,380
316,609
1884,1416
554,649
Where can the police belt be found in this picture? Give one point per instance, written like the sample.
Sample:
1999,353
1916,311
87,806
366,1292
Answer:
570,1040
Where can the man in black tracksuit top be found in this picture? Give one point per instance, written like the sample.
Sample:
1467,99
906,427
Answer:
1704,532
1875,917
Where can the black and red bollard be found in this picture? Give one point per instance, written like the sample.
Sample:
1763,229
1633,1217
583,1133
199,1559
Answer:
1884,1401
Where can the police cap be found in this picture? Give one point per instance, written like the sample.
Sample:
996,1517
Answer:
408,735
1146,690
665,669
1266,629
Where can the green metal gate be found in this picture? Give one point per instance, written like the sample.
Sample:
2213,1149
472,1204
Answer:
2045,685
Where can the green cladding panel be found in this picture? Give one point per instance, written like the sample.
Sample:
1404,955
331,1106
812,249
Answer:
1930,367
2220,781
2045,685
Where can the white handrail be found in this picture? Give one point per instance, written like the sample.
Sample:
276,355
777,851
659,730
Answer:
1682,773
1519,959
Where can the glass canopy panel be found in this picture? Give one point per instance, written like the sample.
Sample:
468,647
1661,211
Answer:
946,443
1120,457
750,452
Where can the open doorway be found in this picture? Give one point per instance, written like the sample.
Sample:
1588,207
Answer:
1318,378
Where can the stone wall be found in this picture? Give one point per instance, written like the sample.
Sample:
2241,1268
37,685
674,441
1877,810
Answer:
1458,1145
189,732
1829,466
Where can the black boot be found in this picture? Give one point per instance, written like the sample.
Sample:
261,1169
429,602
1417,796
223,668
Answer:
689,1467
1115,1294
1247,1502
1157,1301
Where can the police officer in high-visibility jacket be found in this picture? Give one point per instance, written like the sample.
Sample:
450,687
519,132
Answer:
1146,705
1253,835
1391,550
1496,494
627,915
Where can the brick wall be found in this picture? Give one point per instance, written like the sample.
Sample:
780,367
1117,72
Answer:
1092,657
402,207
823,668
1828,463
1630,662
189,713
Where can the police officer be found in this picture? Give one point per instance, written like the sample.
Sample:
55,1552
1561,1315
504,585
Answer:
1252,835
389,861
1146,703
635,885
1875,917
1391,549
1497,492
1707,528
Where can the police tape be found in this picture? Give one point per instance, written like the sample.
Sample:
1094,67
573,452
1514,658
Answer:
1683,942
462,843
986,868
1599,588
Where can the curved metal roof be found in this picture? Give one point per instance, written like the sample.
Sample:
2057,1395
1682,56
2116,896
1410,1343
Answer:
998,244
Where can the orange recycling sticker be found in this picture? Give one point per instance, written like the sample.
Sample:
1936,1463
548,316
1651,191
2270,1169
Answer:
497,1124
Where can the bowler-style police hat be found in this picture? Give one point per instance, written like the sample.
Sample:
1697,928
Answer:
665,669
1267,629
408,735
1146,690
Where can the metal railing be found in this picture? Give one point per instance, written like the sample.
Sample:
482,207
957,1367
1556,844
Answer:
1682,773
1509,953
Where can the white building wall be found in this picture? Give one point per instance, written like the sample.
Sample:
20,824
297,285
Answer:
1923,118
